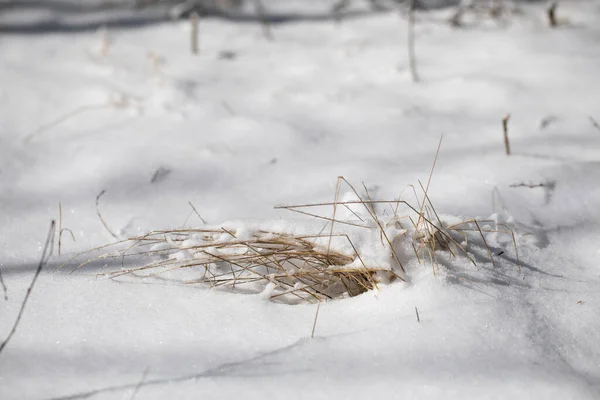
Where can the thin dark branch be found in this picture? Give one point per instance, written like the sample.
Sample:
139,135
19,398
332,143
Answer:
60,229
4,288
505,131
595,123
140,383
264,20
46,253
63,118
338,9
197,213
551,12
528,185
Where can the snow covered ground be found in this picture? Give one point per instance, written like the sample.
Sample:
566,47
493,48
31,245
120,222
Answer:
251,123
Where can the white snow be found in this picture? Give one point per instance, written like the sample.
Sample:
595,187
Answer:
277,124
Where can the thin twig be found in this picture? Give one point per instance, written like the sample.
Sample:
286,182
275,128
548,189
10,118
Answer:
418,318
70,114
194,21
59,226
551,12
505,130
264,20
338,8
4,288
595,123
100,215
412,60
456,19
197,213
312,335
140,383
46,253
528,185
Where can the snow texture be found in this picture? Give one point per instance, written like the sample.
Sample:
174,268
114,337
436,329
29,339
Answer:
250,123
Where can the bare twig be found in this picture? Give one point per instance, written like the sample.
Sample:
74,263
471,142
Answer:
456,19
197,213
46,253
100,215
595,123
418,318
412,60
140,383
69,115
194,22
338,8
312,335
264,20
59,226
505,130
4,288
528,185
551,12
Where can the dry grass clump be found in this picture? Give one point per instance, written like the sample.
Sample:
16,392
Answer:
284,266
292,268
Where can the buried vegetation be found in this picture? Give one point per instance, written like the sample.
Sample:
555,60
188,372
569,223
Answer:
353,245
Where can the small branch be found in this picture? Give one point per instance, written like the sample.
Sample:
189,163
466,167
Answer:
59,226
194,21
312,335
595,123
551,12
197,213
528,185
418,318
456,19
4,288
100,215
412,61
140,383
264,21
46,253
505,130
67,116
338,8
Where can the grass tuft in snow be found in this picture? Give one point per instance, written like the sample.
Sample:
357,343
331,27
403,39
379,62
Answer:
364,246
282,266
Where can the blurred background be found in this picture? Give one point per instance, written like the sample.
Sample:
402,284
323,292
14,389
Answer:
27,16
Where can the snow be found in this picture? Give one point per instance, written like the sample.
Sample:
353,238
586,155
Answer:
276,124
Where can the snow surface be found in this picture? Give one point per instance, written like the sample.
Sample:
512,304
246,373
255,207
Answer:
276,124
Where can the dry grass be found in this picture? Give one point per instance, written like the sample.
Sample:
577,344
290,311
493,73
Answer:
284,266
294,268
311,267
